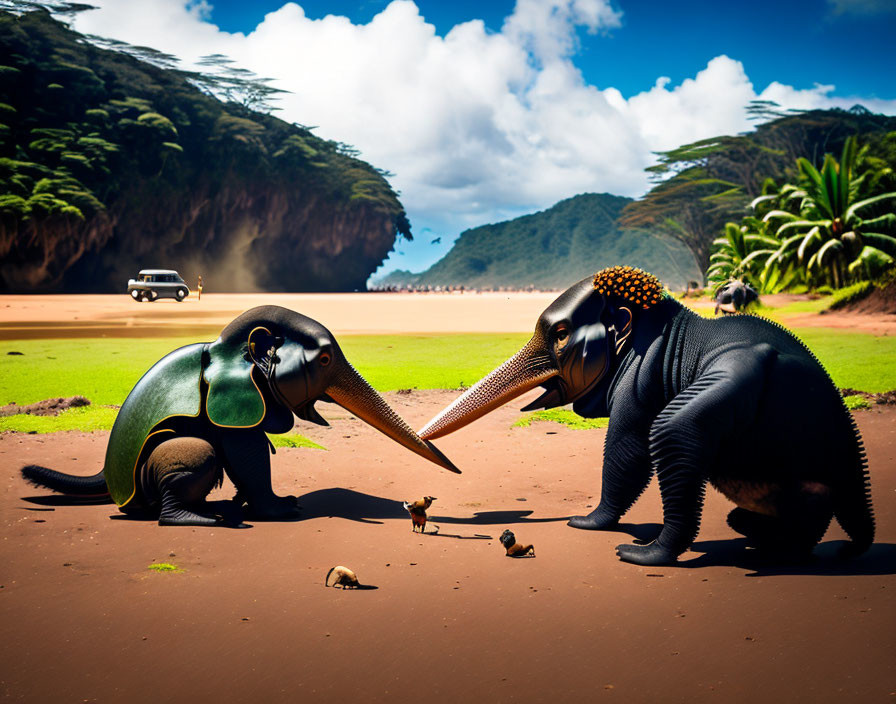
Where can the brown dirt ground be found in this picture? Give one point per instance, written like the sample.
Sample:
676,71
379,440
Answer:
452,619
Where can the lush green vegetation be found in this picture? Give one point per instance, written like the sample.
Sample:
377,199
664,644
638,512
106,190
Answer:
554,249
703,185
111,160
832,228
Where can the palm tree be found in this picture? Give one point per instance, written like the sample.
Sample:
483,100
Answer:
826,234
741,254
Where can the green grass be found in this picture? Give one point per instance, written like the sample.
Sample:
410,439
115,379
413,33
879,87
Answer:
85,418
780,313
294,440
855,402
164,567
105,370
391,362
854,360
562,416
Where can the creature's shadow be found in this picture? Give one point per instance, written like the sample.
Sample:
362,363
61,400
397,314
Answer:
350,505
880,559
65,500
230,513
366,508
643,533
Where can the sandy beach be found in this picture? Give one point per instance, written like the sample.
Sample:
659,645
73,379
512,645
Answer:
452,619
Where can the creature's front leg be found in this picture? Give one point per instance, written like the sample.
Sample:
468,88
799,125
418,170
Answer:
248,464
626,473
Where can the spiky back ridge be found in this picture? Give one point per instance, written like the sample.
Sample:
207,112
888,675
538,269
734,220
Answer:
630,283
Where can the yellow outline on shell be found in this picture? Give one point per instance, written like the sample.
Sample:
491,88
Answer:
140,454
252,379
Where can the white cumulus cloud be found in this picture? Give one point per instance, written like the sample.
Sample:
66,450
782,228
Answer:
477,126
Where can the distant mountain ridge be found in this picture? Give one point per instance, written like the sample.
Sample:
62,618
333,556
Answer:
554,248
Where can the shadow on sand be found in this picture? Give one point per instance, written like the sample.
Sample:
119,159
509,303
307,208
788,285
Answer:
880,559
65,500
366,508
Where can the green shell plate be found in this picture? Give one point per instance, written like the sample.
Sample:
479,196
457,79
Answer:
169,388
234,400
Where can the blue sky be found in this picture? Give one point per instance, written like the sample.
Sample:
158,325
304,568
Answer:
485,111
796,42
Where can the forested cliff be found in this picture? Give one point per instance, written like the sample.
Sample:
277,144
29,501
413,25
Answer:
109,164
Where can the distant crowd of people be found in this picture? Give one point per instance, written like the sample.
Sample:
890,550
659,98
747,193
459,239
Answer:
426,288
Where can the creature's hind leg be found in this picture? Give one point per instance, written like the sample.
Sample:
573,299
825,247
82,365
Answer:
182,471
801,519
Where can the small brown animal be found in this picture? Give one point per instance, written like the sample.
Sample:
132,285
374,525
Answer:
514,549
417,509
344,577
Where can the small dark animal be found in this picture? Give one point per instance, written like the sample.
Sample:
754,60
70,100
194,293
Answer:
344,577
417,509
437,240
515,549
734,297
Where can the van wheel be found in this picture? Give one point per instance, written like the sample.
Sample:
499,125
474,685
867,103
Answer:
181,294
135,294
151,296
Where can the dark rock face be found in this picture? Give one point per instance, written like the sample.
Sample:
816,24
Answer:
110,165
239,240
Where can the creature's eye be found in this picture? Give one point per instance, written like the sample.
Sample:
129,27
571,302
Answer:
561,336
325,358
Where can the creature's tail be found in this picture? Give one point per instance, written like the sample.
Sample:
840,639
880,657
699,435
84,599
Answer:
852,506
327,578
84,487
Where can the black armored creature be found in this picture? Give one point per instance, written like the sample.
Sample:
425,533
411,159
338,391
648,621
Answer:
736,401
204,409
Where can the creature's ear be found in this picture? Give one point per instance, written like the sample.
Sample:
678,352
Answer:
623,326
261,349
234,399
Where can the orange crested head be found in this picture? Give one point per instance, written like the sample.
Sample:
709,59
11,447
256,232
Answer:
634,285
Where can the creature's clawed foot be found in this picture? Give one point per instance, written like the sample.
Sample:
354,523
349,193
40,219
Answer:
650,554
172,516
276,508
596,520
